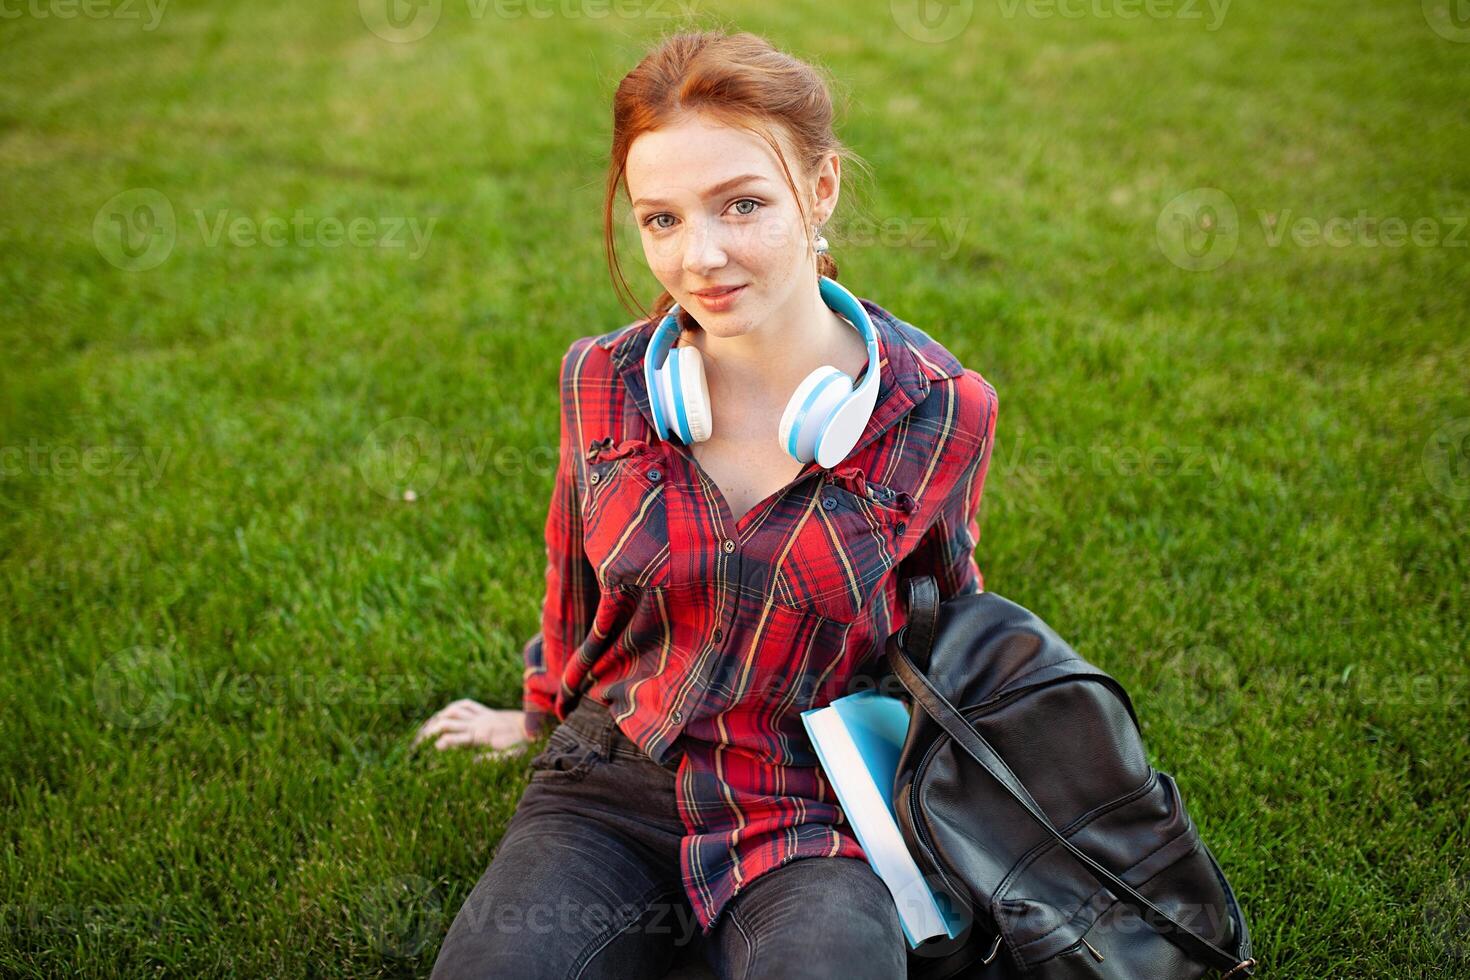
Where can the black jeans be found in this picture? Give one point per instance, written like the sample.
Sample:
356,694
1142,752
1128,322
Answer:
586,883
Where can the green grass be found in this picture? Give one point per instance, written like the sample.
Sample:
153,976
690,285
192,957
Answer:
1243,491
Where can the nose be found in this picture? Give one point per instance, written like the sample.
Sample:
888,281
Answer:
704,249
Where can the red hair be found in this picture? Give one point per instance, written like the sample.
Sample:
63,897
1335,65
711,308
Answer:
739,79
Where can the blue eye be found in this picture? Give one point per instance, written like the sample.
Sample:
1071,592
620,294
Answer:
648,222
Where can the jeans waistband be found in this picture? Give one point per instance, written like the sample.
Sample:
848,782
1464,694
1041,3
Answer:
594,721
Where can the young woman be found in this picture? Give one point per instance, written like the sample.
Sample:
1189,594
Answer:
719,561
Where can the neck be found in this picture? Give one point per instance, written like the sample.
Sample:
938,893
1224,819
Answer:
773,357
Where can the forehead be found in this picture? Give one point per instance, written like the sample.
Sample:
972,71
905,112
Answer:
686,157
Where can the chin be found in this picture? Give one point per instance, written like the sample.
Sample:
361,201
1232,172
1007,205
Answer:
724,324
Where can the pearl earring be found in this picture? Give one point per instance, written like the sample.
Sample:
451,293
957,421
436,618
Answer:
821,243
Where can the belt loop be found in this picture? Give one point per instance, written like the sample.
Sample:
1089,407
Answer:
605,736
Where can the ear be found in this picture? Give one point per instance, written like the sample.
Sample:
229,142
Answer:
826,189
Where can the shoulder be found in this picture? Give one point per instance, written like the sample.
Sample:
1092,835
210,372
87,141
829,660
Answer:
959,400
976,404
590,367
585,356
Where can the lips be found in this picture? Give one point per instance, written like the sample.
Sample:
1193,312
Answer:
718,291
720,302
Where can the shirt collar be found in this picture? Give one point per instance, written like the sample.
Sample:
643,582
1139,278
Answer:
909,361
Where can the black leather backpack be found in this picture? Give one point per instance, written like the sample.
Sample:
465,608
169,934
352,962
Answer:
1024,793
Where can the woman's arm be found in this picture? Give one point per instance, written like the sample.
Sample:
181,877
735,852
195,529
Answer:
572,590
947,549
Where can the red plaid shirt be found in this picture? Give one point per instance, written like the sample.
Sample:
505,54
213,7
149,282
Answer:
718,633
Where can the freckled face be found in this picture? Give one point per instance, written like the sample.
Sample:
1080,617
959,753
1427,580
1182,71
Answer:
713,209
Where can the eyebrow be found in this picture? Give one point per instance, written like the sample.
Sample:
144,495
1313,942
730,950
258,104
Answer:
723,185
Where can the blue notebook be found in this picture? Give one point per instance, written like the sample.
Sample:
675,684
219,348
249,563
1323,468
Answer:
858,739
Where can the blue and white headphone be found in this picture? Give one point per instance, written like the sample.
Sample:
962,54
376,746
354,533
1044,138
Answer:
824,418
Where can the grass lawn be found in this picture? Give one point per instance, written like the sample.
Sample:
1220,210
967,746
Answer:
1213,260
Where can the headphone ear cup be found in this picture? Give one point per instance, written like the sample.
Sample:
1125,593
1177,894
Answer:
820,394
694,392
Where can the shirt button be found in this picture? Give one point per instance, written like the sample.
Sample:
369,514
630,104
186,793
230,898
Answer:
829,502
719,634
594,478
729,545
655,475
902,527
678,717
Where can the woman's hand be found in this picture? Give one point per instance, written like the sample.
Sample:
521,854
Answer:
467,722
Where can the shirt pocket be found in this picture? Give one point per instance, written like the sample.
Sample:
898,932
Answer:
844,548
625,522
